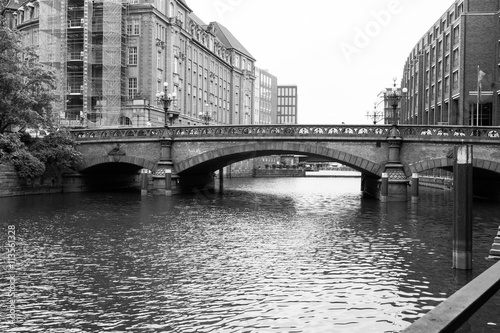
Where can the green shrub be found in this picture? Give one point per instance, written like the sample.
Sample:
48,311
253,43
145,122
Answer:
27,166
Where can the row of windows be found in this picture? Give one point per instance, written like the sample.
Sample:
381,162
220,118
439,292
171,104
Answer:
287,101
287,119
287,110
283,91
445,22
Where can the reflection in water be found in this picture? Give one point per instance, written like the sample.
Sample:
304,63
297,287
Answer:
271,255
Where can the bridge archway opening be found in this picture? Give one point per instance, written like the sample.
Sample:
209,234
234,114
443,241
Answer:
108,173
207,165
196,172
485,174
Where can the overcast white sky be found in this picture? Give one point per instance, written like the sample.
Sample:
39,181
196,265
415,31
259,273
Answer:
341,54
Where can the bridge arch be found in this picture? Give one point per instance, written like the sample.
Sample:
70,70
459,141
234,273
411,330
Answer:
215,159
447,163
119,161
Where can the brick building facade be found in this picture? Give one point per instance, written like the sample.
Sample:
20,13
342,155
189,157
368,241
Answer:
459,54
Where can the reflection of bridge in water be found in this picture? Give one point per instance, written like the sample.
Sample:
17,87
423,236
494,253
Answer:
190,155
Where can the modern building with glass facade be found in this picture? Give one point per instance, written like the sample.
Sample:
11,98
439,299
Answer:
113,57
457,57
287,104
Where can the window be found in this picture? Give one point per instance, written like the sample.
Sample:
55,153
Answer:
132,87
133,27
456,34
132,55
171,10
455,80
158,60
455,58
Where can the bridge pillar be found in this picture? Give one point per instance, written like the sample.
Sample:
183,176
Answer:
165,179
397,182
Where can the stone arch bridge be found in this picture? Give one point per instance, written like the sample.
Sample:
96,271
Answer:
190,155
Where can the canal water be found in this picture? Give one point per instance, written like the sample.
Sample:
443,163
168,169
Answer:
270,255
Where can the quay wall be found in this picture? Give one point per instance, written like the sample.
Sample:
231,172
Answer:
11,185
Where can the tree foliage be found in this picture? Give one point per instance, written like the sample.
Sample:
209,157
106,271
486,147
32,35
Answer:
26,102
25,84
31,156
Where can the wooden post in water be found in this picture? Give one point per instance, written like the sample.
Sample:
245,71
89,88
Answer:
384,187
144,182
462,211
414,188
168,182
221,181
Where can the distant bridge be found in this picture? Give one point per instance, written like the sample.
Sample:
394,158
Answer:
194,153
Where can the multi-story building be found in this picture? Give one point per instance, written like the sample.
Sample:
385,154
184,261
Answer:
457,58
114,57
287,104
266,97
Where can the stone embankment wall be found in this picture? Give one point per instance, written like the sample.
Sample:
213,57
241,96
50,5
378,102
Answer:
11,185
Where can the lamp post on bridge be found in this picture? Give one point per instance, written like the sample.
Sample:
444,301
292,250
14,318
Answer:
166,100
375,116
205,116
394,181
393,97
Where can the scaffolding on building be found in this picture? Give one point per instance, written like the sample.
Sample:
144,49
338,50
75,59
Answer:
52,39
106,63
84,42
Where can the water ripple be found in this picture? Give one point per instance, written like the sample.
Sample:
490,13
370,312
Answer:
269,256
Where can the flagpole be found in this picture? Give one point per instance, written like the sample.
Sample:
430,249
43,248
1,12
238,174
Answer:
478,96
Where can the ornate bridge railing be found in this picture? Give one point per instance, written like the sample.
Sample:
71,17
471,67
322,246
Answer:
119,133
299,131
420,132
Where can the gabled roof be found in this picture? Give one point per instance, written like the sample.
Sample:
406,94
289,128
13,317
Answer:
197,20
185,5
229,41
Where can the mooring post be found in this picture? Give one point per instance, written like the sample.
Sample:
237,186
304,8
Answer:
144,182
384,187
462,212
168,182
414,188
221,181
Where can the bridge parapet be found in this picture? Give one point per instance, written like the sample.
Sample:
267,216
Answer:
281,131
110,134
451,133
247,132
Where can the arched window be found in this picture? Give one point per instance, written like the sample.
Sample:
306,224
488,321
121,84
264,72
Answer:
171,10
